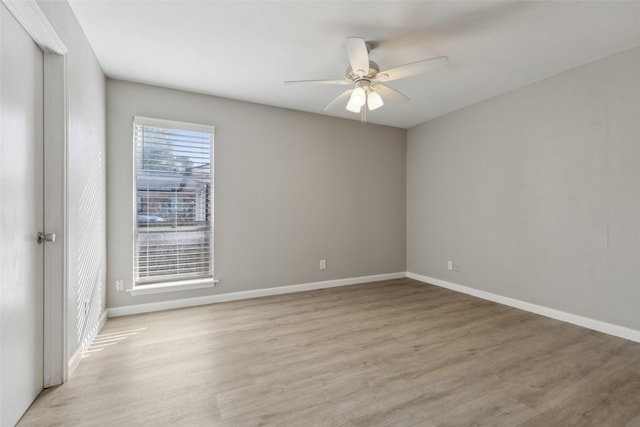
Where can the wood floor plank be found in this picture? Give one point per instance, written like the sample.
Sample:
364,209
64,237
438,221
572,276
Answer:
611,401
396,353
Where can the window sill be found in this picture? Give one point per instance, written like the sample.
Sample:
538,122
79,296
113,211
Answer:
160,288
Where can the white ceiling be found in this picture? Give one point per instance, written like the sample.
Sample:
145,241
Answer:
246,49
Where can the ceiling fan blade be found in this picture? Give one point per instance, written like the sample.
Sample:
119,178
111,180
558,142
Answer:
340,99
358,55
390,95
411,69
317,82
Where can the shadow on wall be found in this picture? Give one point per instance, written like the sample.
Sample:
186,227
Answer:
90,256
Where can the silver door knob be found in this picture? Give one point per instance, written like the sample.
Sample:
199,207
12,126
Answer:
49,237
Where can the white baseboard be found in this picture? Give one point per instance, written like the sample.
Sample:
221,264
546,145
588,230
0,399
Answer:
75,359
233,296
102,321
597,325
586,322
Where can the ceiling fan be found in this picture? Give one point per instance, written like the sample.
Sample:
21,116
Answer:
365,77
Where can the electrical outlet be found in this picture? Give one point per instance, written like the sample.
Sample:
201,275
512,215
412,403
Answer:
323,264
450,265
456,267
119,285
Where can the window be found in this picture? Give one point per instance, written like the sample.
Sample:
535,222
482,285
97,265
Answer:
174,202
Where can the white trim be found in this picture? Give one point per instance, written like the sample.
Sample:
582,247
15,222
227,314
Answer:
35,23
586,322
234,296
596,325
75,360
102,321
172,124
55,219
159,288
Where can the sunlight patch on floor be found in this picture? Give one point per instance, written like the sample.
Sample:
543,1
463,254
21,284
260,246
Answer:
106,340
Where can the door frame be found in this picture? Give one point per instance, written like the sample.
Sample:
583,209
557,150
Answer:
36,24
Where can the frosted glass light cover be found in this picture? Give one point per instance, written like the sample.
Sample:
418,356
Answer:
374,100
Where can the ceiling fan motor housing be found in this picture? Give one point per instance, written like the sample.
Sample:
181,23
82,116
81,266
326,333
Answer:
353,76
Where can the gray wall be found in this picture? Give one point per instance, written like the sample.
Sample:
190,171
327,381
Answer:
535,194
86,263
291,188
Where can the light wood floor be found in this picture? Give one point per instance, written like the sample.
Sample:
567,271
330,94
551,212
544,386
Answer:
395,353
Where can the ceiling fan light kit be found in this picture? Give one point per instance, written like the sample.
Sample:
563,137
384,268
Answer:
365,77
364,94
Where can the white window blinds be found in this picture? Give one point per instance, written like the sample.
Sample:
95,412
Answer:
174,201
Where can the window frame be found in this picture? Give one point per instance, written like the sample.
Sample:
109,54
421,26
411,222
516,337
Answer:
177,284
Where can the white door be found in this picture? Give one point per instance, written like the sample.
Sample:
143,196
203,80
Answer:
21,218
